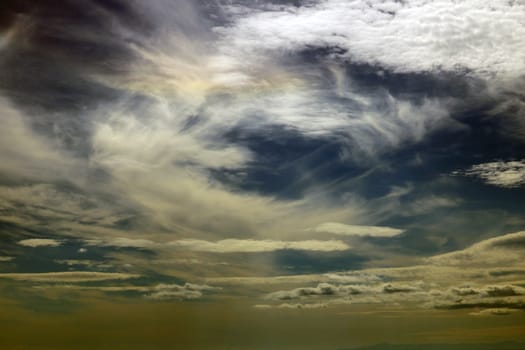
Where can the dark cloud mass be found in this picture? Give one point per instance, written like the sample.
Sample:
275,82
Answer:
300,171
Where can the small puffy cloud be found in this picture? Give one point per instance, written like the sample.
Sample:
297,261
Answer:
503,174
163,291
331,290
178,292
69,276
489,291
472,303
357,230
256,246
40,242
320,290
399,288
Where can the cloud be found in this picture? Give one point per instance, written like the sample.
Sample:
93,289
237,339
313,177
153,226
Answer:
480,276
69,276
150,172
416,293
48,205
292,306
472,303
354,277
322,289
223,246
6,258
503,174
355,230
494,312
40,242
408,36
123,242
490,291
254,246
39,157
178,292
504,251
162,291
331,290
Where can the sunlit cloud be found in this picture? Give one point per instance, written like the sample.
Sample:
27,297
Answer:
502,174
69,276
253,246
40,242
357,230
174,291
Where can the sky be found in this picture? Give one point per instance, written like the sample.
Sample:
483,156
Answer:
262,174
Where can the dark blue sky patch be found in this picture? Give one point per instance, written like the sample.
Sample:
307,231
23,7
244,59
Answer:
288,163
300,262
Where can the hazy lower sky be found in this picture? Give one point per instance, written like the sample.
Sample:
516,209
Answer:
262,174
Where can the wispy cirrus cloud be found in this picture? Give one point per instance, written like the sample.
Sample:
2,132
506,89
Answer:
357,230
253,246
227,245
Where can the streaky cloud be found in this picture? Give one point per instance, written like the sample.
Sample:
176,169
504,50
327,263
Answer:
69,276
357,230
254,246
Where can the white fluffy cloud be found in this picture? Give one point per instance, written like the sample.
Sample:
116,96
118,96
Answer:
40,242
357,230
503,174
482,36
